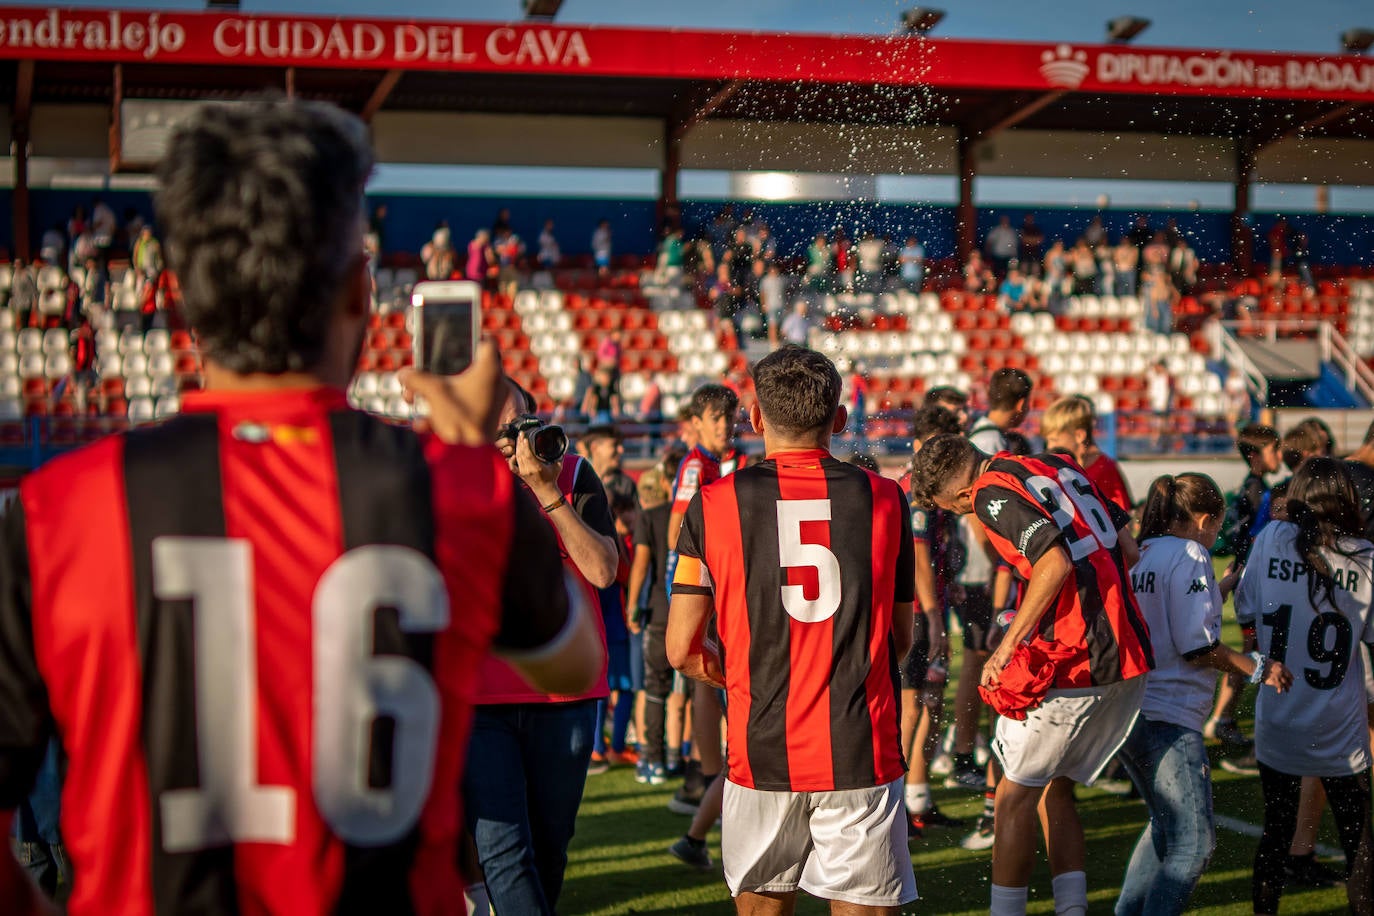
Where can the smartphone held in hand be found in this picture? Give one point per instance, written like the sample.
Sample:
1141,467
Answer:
447,325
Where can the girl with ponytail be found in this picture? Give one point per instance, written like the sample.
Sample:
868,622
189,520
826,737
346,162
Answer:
1180,600
1308,585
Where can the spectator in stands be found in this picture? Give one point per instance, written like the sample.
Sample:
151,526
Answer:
501,223
650,408
1083,264
601,247
104,225
668,268
978,277
1156,253
843,264
147,258
481,266
819,264
1001,245
1141,233
1183,266
1106,269
744,277
1159,389
83,248
1056,273
549,251
24,292
773,300
83,358
765,243
601,404
1302,260
1278,248
1125,267
133,225
376,225
53,248
912,264
509,250
1031,249
1159,296
95,287
796,327
1011,294
438,255
1096,233
721,231
77,224
870,251
1036,296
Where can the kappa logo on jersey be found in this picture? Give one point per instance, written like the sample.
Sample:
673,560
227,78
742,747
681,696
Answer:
995,508
1197,587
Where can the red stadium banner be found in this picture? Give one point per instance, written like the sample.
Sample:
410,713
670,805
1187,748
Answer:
60,34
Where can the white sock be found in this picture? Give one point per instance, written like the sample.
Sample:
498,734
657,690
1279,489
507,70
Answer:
1071,894
475,896
1008,901
918,797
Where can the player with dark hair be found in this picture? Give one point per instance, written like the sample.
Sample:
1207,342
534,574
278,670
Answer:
1309,590
939,555
1068,676
806,565
257,627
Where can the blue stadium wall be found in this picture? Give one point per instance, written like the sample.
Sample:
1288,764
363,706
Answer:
1335,238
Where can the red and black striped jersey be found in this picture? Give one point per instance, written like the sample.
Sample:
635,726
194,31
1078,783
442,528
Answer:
239,624
806,557
1030,505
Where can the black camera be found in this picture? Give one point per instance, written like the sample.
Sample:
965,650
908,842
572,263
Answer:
548,443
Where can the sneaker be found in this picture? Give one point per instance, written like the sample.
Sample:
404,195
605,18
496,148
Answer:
937,818
627,757
597,765
971,778
1241,766
650,773
915,826
692,853
1228,733
942,765
981,752
684,802
1308,872
981,837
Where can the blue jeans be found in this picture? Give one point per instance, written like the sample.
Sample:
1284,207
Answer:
527,765
37,838
1168,764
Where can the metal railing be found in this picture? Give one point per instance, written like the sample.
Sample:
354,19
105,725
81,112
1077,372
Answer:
1332,347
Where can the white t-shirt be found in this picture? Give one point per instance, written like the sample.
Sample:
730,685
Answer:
988,437
1318,728
1179,599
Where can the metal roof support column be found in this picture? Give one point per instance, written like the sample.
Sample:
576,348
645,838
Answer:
669,211
1242,236
19,131
966,214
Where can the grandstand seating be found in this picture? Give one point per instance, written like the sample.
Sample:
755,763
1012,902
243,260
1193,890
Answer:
903,342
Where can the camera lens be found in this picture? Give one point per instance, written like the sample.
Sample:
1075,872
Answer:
549,443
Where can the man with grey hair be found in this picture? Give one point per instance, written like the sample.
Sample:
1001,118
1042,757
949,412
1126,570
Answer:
242,621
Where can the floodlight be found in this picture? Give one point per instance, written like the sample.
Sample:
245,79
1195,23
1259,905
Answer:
921,19
1124,28
542,9
1357,41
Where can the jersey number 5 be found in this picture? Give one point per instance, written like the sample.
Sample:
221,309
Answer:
352,689
793,553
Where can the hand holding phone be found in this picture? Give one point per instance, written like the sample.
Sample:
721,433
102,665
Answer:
447,325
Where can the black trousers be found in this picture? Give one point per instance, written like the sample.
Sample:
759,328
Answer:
1349,800
658,684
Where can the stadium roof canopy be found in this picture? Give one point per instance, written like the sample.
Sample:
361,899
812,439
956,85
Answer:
110,82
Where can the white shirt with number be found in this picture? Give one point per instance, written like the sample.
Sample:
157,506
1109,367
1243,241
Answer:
1318,728
1177,593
